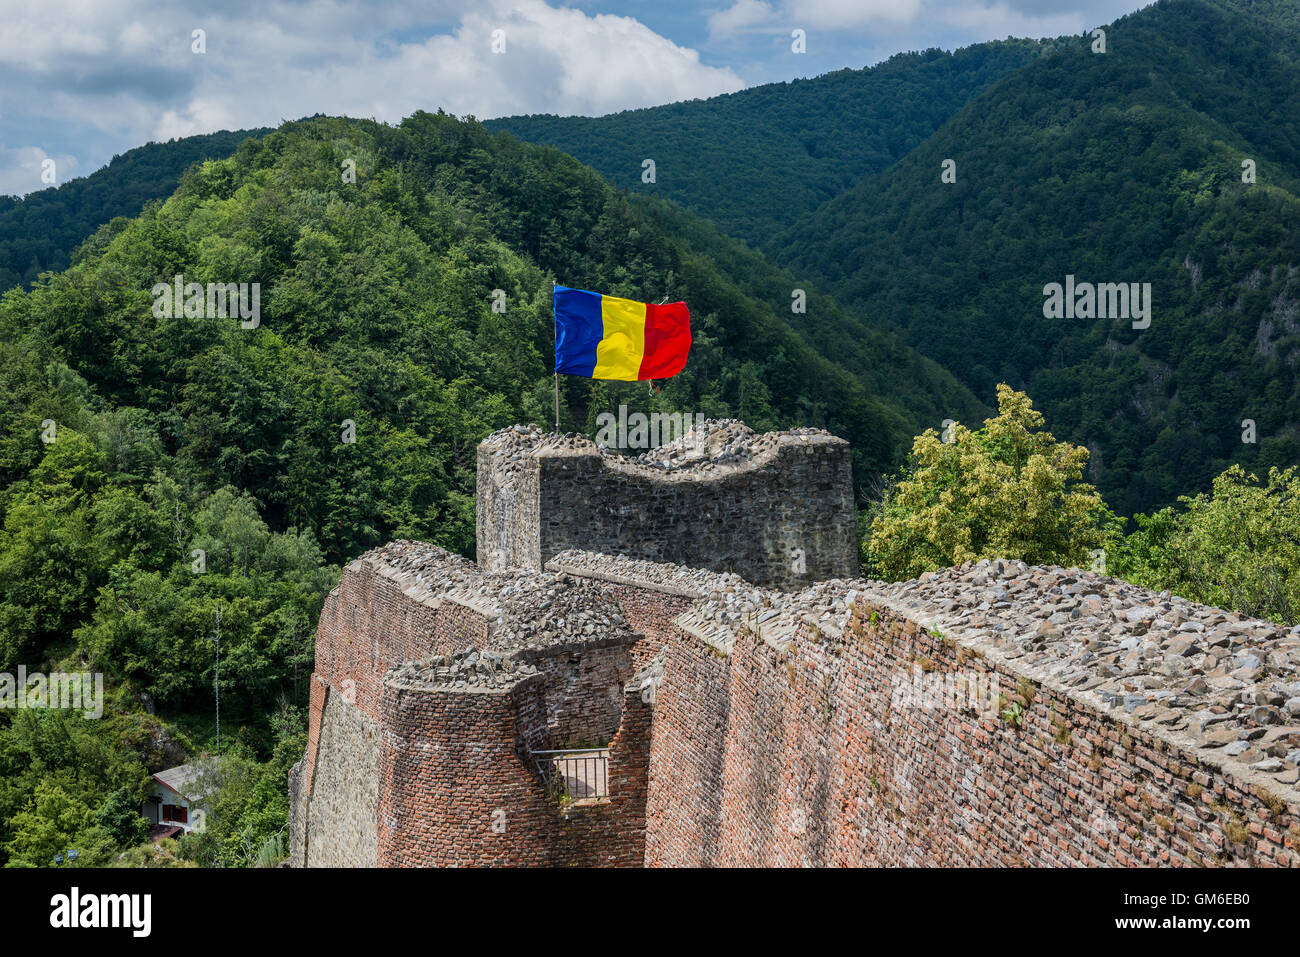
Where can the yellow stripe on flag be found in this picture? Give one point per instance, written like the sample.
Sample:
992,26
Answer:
622,347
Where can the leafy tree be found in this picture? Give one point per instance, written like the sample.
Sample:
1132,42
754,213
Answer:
53,823
1237,547
1008,490
120,816
248,806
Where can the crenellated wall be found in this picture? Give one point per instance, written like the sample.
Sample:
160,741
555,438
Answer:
776,509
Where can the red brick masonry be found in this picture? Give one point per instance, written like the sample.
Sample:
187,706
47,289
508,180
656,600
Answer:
783,736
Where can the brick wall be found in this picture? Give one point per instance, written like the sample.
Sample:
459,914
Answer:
649,612
687,753
456,789
315,717
399,777
777,739
369,624
1065,785
804,752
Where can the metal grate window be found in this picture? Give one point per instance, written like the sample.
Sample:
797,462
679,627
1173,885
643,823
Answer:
578,775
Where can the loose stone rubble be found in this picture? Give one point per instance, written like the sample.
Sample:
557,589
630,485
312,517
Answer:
1222,680
461,671
718,446
529,611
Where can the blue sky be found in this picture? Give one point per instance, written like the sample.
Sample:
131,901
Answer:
81,81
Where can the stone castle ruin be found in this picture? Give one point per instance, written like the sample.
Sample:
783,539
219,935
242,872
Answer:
770,507
665,661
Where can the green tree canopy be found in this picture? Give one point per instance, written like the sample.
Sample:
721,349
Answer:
1237,547
1009,490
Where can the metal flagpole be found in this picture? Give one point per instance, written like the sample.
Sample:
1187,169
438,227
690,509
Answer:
555,338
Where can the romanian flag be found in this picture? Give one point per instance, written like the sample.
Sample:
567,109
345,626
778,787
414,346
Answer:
602,337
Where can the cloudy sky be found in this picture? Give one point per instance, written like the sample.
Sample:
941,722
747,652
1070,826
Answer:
83,80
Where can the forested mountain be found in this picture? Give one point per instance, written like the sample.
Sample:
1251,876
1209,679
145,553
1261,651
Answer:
155,469
134,444
754,160
39,231
1118,167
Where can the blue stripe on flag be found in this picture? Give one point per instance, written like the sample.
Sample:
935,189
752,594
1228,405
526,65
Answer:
578,330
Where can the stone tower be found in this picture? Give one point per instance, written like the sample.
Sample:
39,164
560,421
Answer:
776,508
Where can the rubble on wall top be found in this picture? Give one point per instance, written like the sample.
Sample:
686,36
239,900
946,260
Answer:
1218,679
679,579
526,440
423,562
528,611
724,601
715,447
649,674
426,571
461,671
723,598
723,443
540,612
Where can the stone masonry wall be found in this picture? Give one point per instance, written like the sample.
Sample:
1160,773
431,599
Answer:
506,513
340,819
776,509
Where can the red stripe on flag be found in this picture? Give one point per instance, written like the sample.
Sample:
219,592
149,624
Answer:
667,340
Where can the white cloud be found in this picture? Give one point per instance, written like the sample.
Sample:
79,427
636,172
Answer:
839,14
126,71
87,79
1001,19
556,60
742,16
21,168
